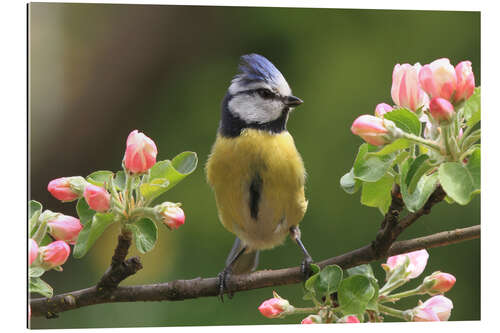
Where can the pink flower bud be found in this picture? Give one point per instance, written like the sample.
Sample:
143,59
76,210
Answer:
406,91
349,320
442,282
418,261
54,254
32,251
173,215
65,228
140,154
97,198
441,110
436,308
465,81
371,129
312,319
439,79
274,307
60,189
382,108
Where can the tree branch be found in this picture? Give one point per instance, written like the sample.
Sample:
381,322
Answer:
205,287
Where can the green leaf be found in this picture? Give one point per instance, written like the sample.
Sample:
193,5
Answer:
85,214
145,234
423,190
314,268
41,287
310,284
417,169
328,280
169,171
458,181
373,302
472,108
371,168
364,269
396,145
378,194
91,232
354,294
120,180
349,183
474,167
100,178
36,271
34,211
405,120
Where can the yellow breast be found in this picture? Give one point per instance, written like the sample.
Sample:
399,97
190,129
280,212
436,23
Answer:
231,167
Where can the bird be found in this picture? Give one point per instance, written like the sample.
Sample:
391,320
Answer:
255,169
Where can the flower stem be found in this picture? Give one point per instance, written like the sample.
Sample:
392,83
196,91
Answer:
428,143
391,311
403,294
305,310
391,286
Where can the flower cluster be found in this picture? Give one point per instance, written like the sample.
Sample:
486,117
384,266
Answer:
358,297
103,198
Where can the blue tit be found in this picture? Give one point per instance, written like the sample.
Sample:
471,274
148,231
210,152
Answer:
254,168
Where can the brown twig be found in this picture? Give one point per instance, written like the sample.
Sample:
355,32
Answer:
205,287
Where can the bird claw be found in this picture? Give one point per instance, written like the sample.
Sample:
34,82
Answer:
222,284
305,267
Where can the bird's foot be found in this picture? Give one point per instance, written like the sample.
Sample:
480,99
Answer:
305,267
222,284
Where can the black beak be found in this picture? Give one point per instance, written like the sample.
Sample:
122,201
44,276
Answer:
292,101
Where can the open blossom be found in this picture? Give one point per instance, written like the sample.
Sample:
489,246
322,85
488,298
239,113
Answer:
436,308
65,228
61,189
465,81
442,282
32,251
274,307
54,254
351,319
312,319
406,91
371,129
418,261
97,198
382,108
441,110
439,79
140,154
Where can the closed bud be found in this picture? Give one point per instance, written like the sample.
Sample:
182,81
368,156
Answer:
140,154
436,308
406,91
441,110
32,251
351,319
275,307
55,254
172,214
439,282
465,81
97,198
312,319
382,108
65,228
66,188
438,79
417,262
374,130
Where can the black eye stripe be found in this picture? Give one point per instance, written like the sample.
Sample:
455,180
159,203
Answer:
262,92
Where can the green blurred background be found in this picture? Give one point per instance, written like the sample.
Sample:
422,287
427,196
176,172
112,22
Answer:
99,71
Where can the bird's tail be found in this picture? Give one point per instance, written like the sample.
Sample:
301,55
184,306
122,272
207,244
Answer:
245,262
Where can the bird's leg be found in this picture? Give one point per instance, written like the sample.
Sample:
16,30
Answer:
224,275
305,266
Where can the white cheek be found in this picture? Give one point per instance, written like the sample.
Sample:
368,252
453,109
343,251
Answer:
255,110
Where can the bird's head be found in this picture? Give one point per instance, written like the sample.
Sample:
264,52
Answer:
259,94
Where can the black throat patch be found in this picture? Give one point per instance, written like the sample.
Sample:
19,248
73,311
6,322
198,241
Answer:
231,125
